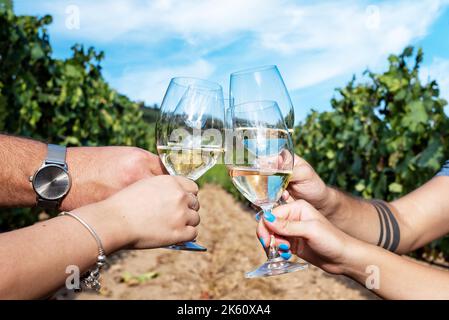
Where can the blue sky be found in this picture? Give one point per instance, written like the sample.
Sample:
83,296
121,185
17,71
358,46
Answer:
318,45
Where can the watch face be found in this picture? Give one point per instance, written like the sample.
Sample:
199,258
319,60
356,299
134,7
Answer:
51,182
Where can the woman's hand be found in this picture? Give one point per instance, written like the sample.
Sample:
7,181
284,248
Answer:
306,184
156,212
150,213
299,228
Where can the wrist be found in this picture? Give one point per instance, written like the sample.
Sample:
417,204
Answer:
86,187
354,263
22,158
331,204
108,224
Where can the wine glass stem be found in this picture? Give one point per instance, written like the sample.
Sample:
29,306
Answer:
272,249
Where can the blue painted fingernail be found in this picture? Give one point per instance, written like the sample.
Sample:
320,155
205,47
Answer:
269,216
262,242
286,255
257,217
284,246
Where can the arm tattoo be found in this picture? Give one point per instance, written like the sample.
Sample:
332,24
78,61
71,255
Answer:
390,234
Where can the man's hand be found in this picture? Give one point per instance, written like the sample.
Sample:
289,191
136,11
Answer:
99,172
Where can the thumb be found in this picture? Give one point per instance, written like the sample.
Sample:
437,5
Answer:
302,170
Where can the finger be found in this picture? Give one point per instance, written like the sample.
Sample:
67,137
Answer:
294,244
281,243
264,237
193,218
286,197
285,211
295,211
285,159
190,233
299,247
291,228
187,184
262,234
299,160
156,166
193,202
301,171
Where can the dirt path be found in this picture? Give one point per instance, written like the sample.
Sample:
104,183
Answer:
228,231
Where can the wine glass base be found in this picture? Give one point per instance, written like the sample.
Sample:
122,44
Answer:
275,267
187,246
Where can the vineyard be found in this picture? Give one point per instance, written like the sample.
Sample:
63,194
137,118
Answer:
385,135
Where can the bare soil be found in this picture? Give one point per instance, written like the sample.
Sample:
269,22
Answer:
228,231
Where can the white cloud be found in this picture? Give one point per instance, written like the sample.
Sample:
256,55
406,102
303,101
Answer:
150,85
331,40
312,42
105,21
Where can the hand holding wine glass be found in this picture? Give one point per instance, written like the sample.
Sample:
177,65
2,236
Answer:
261,164
189,131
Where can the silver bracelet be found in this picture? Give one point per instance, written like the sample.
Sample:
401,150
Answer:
91,278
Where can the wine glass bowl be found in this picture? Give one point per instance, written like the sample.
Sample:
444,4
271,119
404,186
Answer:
262,83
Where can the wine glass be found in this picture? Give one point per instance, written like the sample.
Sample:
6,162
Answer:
263,83
189,131
260,165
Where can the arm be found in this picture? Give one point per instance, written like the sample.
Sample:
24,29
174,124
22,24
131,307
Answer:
97,172
34,259
313,238
401,226
399,278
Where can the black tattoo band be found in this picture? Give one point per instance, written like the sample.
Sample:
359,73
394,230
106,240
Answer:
381,235
390,234
396,234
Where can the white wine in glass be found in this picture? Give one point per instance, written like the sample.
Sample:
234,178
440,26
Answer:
260,187
191,108
190,163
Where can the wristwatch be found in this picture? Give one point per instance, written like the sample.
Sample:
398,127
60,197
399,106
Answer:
52,181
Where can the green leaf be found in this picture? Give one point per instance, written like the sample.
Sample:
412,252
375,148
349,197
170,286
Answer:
72,71
395,187
416,114
431,155
360,186
37,52
418,111
330,154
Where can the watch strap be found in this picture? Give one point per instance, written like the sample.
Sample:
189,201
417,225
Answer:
56,155
48,204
